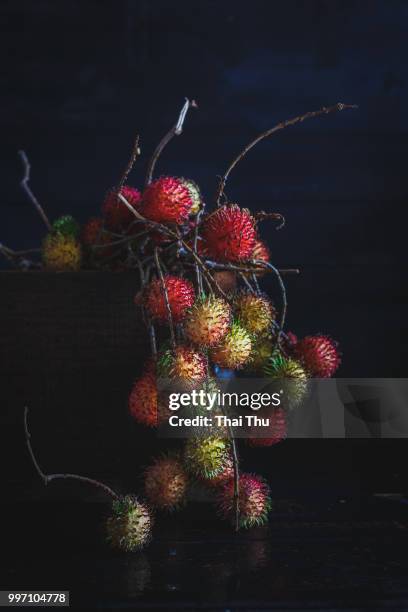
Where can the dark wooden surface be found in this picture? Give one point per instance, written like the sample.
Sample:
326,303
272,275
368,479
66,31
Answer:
314,555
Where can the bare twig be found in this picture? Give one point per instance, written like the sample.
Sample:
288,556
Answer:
262,216
130,164
25,186
166,298
46,478
280,126
176,130
197,267
266,264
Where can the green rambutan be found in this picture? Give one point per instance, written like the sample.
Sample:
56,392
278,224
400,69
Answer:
129,526
262,349
207,457
235,348
66,226
254,500
255,312
207,321
166,483
291,376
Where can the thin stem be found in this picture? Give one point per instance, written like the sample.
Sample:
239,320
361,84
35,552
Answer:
176,130
280,126
197,267
25,186
166,298
130,164
46,478
268,265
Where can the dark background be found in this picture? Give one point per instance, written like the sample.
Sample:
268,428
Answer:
79,80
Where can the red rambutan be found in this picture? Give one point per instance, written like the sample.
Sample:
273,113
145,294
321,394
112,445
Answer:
276,432
254,500
318,354
229,234
260,252
93,236
143,400
180,293
167,200
166,483
117,215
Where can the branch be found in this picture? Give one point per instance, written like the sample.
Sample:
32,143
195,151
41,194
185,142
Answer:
46,478
262,216
130,164
25,186
176,130
166,298
266,264
280,126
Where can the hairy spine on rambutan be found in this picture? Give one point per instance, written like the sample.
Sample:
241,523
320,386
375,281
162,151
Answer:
319,355
167,200
208,321
180,294
254,500
229,234
129,526
255,312
66,226
234,350
166,482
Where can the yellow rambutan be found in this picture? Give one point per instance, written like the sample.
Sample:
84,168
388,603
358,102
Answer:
255,312
61,253
207,321
207,457
235,348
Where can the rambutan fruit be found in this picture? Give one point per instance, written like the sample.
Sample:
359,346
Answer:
260,252
291,377
129,526
181,296
184,366
235,348
261,352
195,195
254,500
167,200
229,234
61,253
207,457
117,215
318,354
222,477
207,321
66,226
166,483
95,239
274,433
255,312
144,402
226,280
